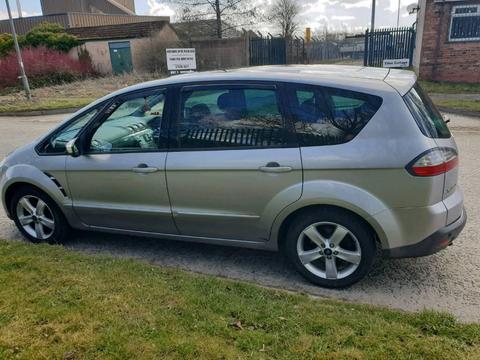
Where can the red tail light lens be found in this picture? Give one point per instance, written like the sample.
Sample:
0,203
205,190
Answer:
434,162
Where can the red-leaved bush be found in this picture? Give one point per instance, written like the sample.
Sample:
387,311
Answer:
43,67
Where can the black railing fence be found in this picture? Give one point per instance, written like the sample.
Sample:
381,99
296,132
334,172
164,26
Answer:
389,44
373,48
296,50
268,51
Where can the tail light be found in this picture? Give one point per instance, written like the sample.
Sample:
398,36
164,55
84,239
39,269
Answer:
434,162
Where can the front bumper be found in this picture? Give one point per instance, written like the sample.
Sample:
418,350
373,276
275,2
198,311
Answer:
432,244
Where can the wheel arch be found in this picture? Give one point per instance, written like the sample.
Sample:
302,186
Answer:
287,221
16,186
27,175
342,195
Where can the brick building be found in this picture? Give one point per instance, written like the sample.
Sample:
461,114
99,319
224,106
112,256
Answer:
448,40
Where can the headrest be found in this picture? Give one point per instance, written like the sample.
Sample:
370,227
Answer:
227,101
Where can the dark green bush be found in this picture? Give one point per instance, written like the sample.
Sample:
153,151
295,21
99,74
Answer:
51,36
6,44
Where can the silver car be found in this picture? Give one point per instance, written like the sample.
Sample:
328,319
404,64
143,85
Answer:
326,163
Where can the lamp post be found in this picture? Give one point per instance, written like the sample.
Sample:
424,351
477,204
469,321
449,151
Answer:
398,14
373,16
19,9
26,86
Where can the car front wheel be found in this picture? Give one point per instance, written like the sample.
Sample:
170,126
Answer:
330,247
37,216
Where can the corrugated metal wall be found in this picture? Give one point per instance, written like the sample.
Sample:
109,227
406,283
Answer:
70,20
50,7
87,20
24,25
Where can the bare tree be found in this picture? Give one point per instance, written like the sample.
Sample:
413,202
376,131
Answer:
284,14
227,14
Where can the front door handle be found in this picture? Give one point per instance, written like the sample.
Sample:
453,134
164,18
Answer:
274,167
144,169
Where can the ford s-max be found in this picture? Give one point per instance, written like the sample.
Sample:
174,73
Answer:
327,164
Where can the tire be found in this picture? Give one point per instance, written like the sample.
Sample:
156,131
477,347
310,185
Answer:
38,217
330,247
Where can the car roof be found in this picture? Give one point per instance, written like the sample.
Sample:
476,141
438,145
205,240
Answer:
359,78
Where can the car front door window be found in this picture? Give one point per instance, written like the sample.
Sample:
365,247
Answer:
55,144
134,126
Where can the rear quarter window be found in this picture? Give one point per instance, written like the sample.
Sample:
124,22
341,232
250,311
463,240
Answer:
426,115
329,116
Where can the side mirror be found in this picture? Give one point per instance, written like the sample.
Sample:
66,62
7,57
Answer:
71,148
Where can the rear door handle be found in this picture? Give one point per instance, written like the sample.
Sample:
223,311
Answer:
274,167
144,169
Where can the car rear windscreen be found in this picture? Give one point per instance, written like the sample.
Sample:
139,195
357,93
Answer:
428,118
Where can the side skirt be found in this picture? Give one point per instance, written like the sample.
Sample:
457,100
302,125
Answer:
269,246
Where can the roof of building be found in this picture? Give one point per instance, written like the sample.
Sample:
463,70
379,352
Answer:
118,31
204,29
76,20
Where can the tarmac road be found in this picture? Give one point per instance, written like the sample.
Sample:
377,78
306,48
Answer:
447,281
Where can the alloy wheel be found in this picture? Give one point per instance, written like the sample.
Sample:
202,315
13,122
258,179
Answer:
329,250
35,217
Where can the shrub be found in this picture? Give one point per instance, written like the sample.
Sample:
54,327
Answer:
43,67
6,44
52,36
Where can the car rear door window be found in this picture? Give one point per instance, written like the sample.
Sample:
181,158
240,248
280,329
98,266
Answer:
230,117
329,116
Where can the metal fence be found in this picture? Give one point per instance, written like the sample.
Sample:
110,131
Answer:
268,51
296,51
395,43
277,50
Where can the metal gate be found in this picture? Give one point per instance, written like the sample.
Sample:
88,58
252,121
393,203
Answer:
268,51
389,44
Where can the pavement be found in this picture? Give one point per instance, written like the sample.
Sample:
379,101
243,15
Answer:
447,281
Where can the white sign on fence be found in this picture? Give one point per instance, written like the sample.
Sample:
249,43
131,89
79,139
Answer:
396,63
181,59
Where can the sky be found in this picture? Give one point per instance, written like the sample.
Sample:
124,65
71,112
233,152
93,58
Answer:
334,15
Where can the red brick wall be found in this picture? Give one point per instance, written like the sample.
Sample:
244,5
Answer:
442,60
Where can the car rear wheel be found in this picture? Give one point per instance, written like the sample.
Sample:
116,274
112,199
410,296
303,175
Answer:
37,216
330,247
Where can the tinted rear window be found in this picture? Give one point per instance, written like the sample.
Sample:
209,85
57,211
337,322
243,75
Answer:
428,118
234,117
329,116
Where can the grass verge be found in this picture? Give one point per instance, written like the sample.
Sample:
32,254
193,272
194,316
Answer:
56,304
37,105
464,105
435,87
71,95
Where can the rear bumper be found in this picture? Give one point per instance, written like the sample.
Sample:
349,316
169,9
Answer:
432,244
